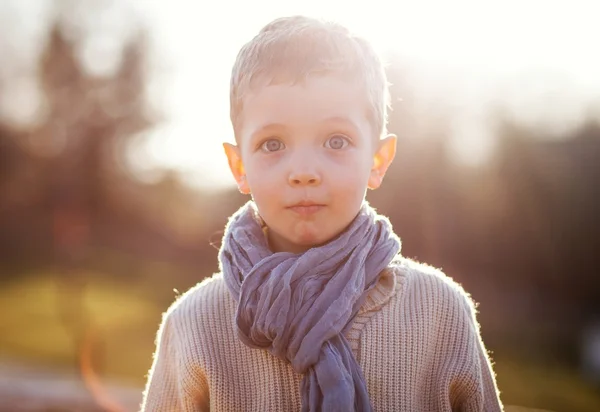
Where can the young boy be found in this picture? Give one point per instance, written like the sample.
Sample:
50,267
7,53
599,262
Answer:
314,308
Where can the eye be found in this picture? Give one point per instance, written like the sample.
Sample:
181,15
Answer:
337,142
272,145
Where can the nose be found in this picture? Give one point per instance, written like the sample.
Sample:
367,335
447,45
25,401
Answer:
303,170
304,178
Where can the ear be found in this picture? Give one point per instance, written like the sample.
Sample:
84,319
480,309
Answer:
234,158
382,160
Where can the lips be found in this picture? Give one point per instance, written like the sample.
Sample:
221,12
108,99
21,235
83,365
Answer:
306,208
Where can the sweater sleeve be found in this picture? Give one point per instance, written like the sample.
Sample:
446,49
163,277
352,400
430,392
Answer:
173,382
476,378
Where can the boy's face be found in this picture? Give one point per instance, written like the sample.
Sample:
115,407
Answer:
307,153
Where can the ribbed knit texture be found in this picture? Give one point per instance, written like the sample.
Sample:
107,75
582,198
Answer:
416,339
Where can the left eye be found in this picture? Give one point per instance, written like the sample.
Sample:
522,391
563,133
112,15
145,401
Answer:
336,142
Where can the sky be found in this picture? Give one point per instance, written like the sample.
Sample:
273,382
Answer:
535,56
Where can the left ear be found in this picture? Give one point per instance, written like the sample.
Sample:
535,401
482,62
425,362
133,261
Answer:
382,160
234,158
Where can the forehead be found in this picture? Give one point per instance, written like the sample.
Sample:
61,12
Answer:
307,103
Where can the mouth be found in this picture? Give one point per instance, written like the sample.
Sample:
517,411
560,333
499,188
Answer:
306,208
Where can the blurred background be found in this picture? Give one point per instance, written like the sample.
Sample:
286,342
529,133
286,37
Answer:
113,185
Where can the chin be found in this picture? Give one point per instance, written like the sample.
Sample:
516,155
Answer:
312,240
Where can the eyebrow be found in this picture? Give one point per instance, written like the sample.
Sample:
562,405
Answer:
341,119
281,126
337,119
332,119
266,127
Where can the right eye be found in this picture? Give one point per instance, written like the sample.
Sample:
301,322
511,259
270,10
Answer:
272,145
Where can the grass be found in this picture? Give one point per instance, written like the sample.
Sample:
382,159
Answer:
35,327
124,316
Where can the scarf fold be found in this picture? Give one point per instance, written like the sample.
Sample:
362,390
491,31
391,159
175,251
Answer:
298,306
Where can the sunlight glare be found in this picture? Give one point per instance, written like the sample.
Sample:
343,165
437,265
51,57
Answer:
534,59
470,45
465,54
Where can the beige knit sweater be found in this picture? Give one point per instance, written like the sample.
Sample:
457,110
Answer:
416,339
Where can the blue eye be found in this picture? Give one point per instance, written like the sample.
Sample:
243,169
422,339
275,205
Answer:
272,145
337,142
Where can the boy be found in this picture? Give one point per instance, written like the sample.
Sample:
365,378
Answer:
314,308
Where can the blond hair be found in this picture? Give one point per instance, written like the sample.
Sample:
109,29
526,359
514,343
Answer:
293,48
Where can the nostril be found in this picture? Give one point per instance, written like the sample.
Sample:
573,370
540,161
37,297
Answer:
303,180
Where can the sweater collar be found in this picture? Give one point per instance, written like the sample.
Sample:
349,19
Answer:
383,290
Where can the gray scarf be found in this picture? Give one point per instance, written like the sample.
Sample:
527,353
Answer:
298,306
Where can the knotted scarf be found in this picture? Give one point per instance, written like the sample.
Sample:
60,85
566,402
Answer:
298,306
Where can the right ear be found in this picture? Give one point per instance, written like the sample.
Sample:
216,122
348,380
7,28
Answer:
234,158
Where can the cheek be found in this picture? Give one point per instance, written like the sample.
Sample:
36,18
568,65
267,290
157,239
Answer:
262,174
353,174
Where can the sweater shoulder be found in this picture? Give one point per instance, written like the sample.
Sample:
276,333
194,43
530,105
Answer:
206,302
432,287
